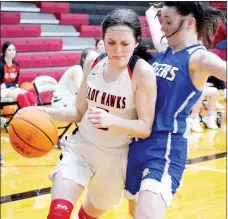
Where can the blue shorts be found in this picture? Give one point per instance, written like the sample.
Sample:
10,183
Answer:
157,164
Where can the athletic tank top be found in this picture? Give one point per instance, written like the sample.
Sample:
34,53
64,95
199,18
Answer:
115,97
176,94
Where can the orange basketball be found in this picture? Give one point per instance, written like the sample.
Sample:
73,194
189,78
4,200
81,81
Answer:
26,85
11,109
33,133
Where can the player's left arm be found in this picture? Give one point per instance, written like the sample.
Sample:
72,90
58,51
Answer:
212,65
158,37
145,97
145,88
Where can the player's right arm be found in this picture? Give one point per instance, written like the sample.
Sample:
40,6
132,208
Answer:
155,29
145,89
73,114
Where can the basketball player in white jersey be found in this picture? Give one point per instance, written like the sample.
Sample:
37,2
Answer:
115,103
68,86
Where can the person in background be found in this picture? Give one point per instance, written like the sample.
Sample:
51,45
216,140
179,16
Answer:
99,46
69,84
9,75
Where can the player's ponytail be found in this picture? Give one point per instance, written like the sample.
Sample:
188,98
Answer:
142,52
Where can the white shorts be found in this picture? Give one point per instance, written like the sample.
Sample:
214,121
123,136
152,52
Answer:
63,101
11,93
153,186
103,170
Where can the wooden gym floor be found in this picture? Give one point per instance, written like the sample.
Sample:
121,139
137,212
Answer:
25,187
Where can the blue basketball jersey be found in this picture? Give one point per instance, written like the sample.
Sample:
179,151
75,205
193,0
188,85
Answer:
176,92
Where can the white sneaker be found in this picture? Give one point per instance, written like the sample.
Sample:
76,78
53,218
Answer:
210,122
195,125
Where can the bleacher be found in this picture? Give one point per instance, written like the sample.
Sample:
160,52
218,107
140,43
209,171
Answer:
49,36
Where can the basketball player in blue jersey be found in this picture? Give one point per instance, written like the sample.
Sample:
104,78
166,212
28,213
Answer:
110,107
156,164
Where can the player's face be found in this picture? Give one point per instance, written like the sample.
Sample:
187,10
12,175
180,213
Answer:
119,44
100,47
10,52
172,21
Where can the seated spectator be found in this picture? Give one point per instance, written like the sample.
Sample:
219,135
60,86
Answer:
99,46
68,86
9,71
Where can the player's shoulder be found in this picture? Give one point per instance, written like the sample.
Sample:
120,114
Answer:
196,48
197,56
143,73
142,67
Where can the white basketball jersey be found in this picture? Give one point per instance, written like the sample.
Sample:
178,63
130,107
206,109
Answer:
116,97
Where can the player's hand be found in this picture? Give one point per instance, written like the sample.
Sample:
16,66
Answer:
152,11
27,109
99,118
